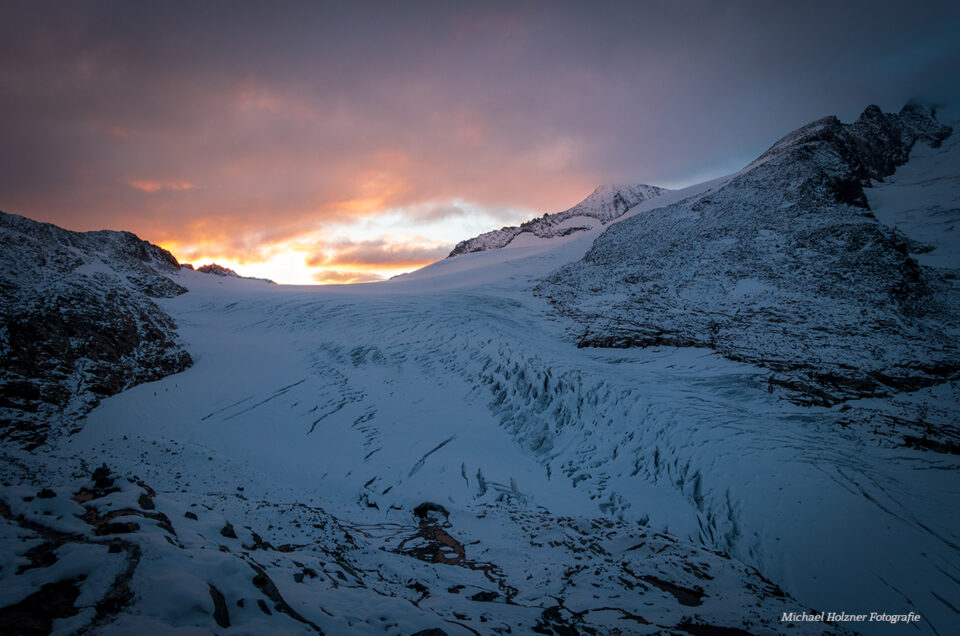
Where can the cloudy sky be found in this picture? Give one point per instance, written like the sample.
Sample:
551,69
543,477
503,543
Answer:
335,142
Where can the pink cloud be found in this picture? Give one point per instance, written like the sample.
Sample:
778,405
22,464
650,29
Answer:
336,277
157,186
377,253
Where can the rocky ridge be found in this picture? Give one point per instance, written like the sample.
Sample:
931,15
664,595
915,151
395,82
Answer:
215,269
78,323
606,203
218,270
782,265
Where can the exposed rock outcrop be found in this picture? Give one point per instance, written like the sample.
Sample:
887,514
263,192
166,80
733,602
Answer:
78,323
218,270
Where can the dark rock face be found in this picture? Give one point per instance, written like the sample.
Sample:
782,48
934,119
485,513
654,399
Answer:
605,204
783,266
77,323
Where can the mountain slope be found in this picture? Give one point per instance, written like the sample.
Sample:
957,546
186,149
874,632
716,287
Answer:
604,204
78,323
922,199
784,266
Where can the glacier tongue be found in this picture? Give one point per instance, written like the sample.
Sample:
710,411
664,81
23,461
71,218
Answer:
371,401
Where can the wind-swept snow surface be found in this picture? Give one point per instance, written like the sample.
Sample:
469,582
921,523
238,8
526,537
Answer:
437,452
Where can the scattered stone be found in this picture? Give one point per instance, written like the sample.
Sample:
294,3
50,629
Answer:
36,613
101,478
117,527
429,512
220,613
146,502
685,596
41,556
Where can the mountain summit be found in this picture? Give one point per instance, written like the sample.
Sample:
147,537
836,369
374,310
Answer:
605,203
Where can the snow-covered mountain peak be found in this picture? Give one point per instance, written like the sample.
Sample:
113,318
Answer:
604,204
610,201
869,148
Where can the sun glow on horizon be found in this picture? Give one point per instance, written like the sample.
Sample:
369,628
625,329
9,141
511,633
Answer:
291,268
366,249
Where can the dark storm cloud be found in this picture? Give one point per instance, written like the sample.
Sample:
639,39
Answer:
236,121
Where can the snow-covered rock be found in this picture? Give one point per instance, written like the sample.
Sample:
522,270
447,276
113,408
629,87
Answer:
783,266
78,323
217,270
606,203
106,553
